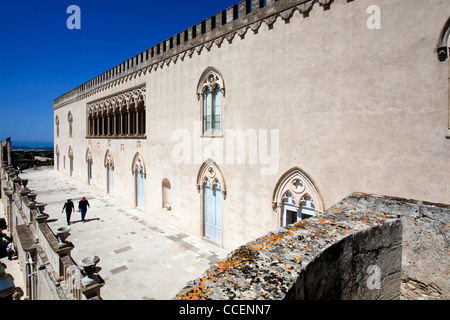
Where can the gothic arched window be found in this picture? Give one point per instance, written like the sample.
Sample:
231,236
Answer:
296,197
210,92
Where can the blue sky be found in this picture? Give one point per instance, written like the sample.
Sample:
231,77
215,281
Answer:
41,59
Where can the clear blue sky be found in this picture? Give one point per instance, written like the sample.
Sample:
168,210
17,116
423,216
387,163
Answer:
41,59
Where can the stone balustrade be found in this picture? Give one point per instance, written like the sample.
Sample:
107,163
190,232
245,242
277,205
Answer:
44,254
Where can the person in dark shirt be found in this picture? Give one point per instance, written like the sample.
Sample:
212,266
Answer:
69,206
82,207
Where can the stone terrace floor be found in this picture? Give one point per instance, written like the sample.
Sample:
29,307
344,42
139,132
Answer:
141,257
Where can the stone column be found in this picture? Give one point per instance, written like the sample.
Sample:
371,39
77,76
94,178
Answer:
137,122
107,124
97,121
128,120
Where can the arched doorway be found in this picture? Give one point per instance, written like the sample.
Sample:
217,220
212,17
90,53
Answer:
70,154
89,162
109,165
138,169
212,189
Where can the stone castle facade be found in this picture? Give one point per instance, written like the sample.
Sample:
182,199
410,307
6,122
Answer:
267,113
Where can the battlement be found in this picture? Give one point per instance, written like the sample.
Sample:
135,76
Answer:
236,19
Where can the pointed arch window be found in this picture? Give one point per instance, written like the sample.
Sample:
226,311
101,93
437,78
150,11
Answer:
296,197
210,92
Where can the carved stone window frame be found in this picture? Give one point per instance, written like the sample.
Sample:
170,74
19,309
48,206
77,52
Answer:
298,185
211,79
119,116
109,160
210,173
138,165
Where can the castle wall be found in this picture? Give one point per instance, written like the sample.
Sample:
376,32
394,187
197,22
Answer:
356,109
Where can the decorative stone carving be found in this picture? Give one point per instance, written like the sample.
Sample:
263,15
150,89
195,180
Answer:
255,26
89,157
230,37
138,165
241,32
211,175
210,79
208,45
117,101
218,41
296,184
270,20
305,8
286,15
109,161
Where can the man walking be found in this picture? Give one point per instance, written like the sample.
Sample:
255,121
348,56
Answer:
69,206
82,206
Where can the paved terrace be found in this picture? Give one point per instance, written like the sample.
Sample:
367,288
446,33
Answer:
141,257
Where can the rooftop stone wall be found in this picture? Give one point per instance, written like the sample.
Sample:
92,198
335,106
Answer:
48,270
426,235
352,251
331,256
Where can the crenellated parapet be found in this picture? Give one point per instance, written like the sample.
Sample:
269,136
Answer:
228,25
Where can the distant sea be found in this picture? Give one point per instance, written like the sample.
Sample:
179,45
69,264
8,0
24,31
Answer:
32,145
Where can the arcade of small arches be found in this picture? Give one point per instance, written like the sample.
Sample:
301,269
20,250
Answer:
118,116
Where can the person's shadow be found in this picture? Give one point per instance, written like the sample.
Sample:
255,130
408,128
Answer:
86,220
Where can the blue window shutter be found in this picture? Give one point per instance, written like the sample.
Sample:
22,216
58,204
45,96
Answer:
207,111
217,109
